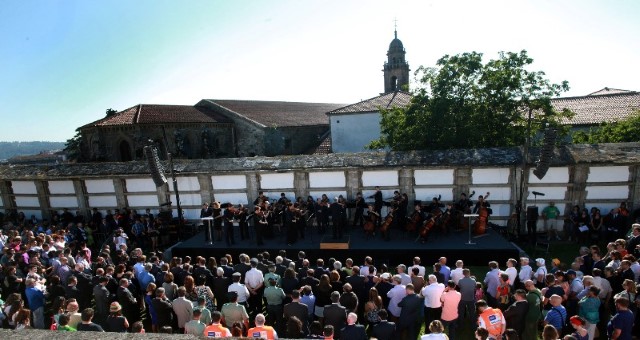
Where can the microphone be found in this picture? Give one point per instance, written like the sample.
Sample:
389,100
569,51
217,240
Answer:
536,193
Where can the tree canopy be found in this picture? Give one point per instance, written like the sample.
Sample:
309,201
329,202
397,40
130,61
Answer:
466,103
625,130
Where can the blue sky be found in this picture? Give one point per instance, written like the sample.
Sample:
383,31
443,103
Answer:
63,63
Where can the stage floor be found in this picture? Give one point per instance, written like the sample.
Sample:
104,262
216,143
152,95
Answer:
400,249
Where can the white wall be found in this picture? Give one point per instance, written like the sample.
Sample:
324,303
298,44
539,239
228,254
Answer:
331,179
142,201
276,181
491,176
352,132
61,187
608,174
229,182
63,202
553,175
385,178
434,177
140,185
234,198
24,187
97,186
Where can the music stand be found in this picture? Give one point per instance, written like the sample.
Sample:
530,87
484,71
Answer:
208,221
470,216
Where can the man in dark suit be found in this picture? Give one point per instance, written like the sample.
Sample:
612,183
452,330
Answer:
352,331
129,303
310,280
384,330
410,315
297,309
516,313
163,308
101,295
335,314
320,270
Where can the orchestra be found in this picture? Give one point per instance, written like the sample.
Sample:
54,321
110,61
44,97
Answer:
270,219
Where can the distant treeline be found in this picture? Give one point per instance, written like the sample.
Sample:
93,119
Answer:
12,149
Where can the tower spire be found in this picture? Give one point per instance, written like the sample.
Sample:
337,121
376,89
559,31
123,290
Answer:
395,28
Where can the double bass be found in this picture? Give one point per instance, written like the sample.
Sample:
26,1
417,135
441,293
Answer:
372,219
429,224
480,225
415,220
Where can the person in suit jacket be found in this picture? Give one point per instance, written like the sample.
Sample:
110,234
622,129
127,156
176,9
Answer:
335,314
129,303
182,307
410,315
163,308
310,280
103,300
516,313
352,331
297,309
383,330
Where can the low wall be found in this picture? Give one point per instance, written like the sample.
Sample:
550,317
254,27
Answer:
586,175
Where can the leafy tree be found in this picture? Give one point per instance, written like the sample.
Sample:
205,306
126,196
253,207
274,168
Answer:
465,103
625,130
110,112
73,147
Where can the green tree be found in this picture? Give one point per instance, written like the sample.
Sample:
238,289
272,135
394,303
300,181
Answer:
625,130
110,112
73,147
465,103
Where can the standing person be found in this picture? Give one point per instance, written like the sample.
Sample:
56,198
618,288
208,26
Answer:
254,281
409,323
87,325
261,331
395,295
360,205
35,297
274,296
467,304
550,215
102,298
525,273
557,315
335,314
216,330
377,205
589,310
195,326
432,304
450,302
129,304
383,330
336,218
492,281
228,217
116,323
182,307
534,311
353,331
164,309
491,319
621,324
297,309
516,314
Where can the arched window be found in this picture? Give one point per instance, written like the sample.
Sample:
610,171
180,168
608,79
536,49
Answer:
125,151
394,83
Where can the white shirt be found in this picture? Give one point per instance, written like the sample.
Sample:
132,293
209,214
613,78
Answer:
525,273
243,292
513,273
364,270
604,285
456,275
253,278
432,294
405,279
421,270
635,268
395,295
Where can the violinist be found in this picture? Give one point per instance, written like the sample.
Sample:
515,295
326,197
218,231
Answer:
260,222
378,203
242,214
300,212
260,199
360,205
337,218
228,217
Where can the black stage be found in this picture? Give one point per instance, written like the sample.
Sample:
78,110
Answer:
400,249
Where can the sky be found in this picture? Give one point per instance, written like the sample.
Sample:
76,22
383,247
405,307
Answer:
63,63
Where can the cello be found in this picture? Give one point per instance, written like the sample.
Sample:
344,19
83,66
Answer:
428,225
415,220
480,225
372,219
384,228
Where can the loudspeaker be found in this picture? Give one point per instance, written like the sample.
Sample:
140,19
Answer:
155,167
546,153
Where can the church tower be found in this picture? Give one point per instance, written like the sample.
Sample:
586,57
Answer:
396,69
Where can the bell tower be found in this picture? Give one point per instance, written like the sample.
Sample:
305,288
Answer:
396,69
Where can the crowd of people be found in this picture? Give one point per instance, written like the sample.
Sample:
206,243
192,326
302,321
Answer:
56,276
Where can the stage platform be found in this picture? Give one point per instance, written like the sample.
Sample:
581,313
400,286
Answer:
400,249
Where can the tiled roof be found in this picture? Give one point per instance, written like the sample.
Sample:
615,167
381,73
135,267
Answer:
324,147
608,90
150,114
274,113
599,107
385,101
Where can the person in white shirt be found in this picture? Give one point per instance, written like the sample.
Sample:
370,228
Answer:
395,295
456,274
511,271
254,281
416,264
603,284
364,269
432,304
239,288
526,273
401,269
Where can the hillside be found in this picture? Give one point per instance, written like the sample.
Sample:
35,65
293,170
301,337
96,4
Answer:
12,149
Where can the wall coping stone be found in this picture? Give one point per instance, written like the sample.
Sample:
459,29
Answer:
604,154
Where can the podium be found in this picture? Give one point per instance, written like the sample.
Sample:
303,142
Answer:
469,216
208,223
327,242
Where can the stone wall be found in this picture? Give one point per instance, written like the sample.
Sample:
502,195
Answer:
586,175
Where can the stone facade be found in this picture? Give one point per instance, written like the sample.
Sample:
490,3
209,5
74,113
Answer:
586,175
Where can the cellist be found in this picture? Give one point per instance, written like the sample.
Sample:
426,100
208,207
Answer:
483,211
372,221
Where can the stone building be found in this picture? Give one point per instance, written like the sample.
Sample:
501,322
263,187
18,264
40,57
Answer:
396,69
209,129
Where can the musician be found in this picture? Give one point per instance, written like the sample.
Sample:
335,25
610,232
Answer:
290,222
464,204
377,197
337,216
301,224
403,204
390,221
242,214
260,222
360,205
261,198
372,221
482,203
326,213
228,217
216,213
435,204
